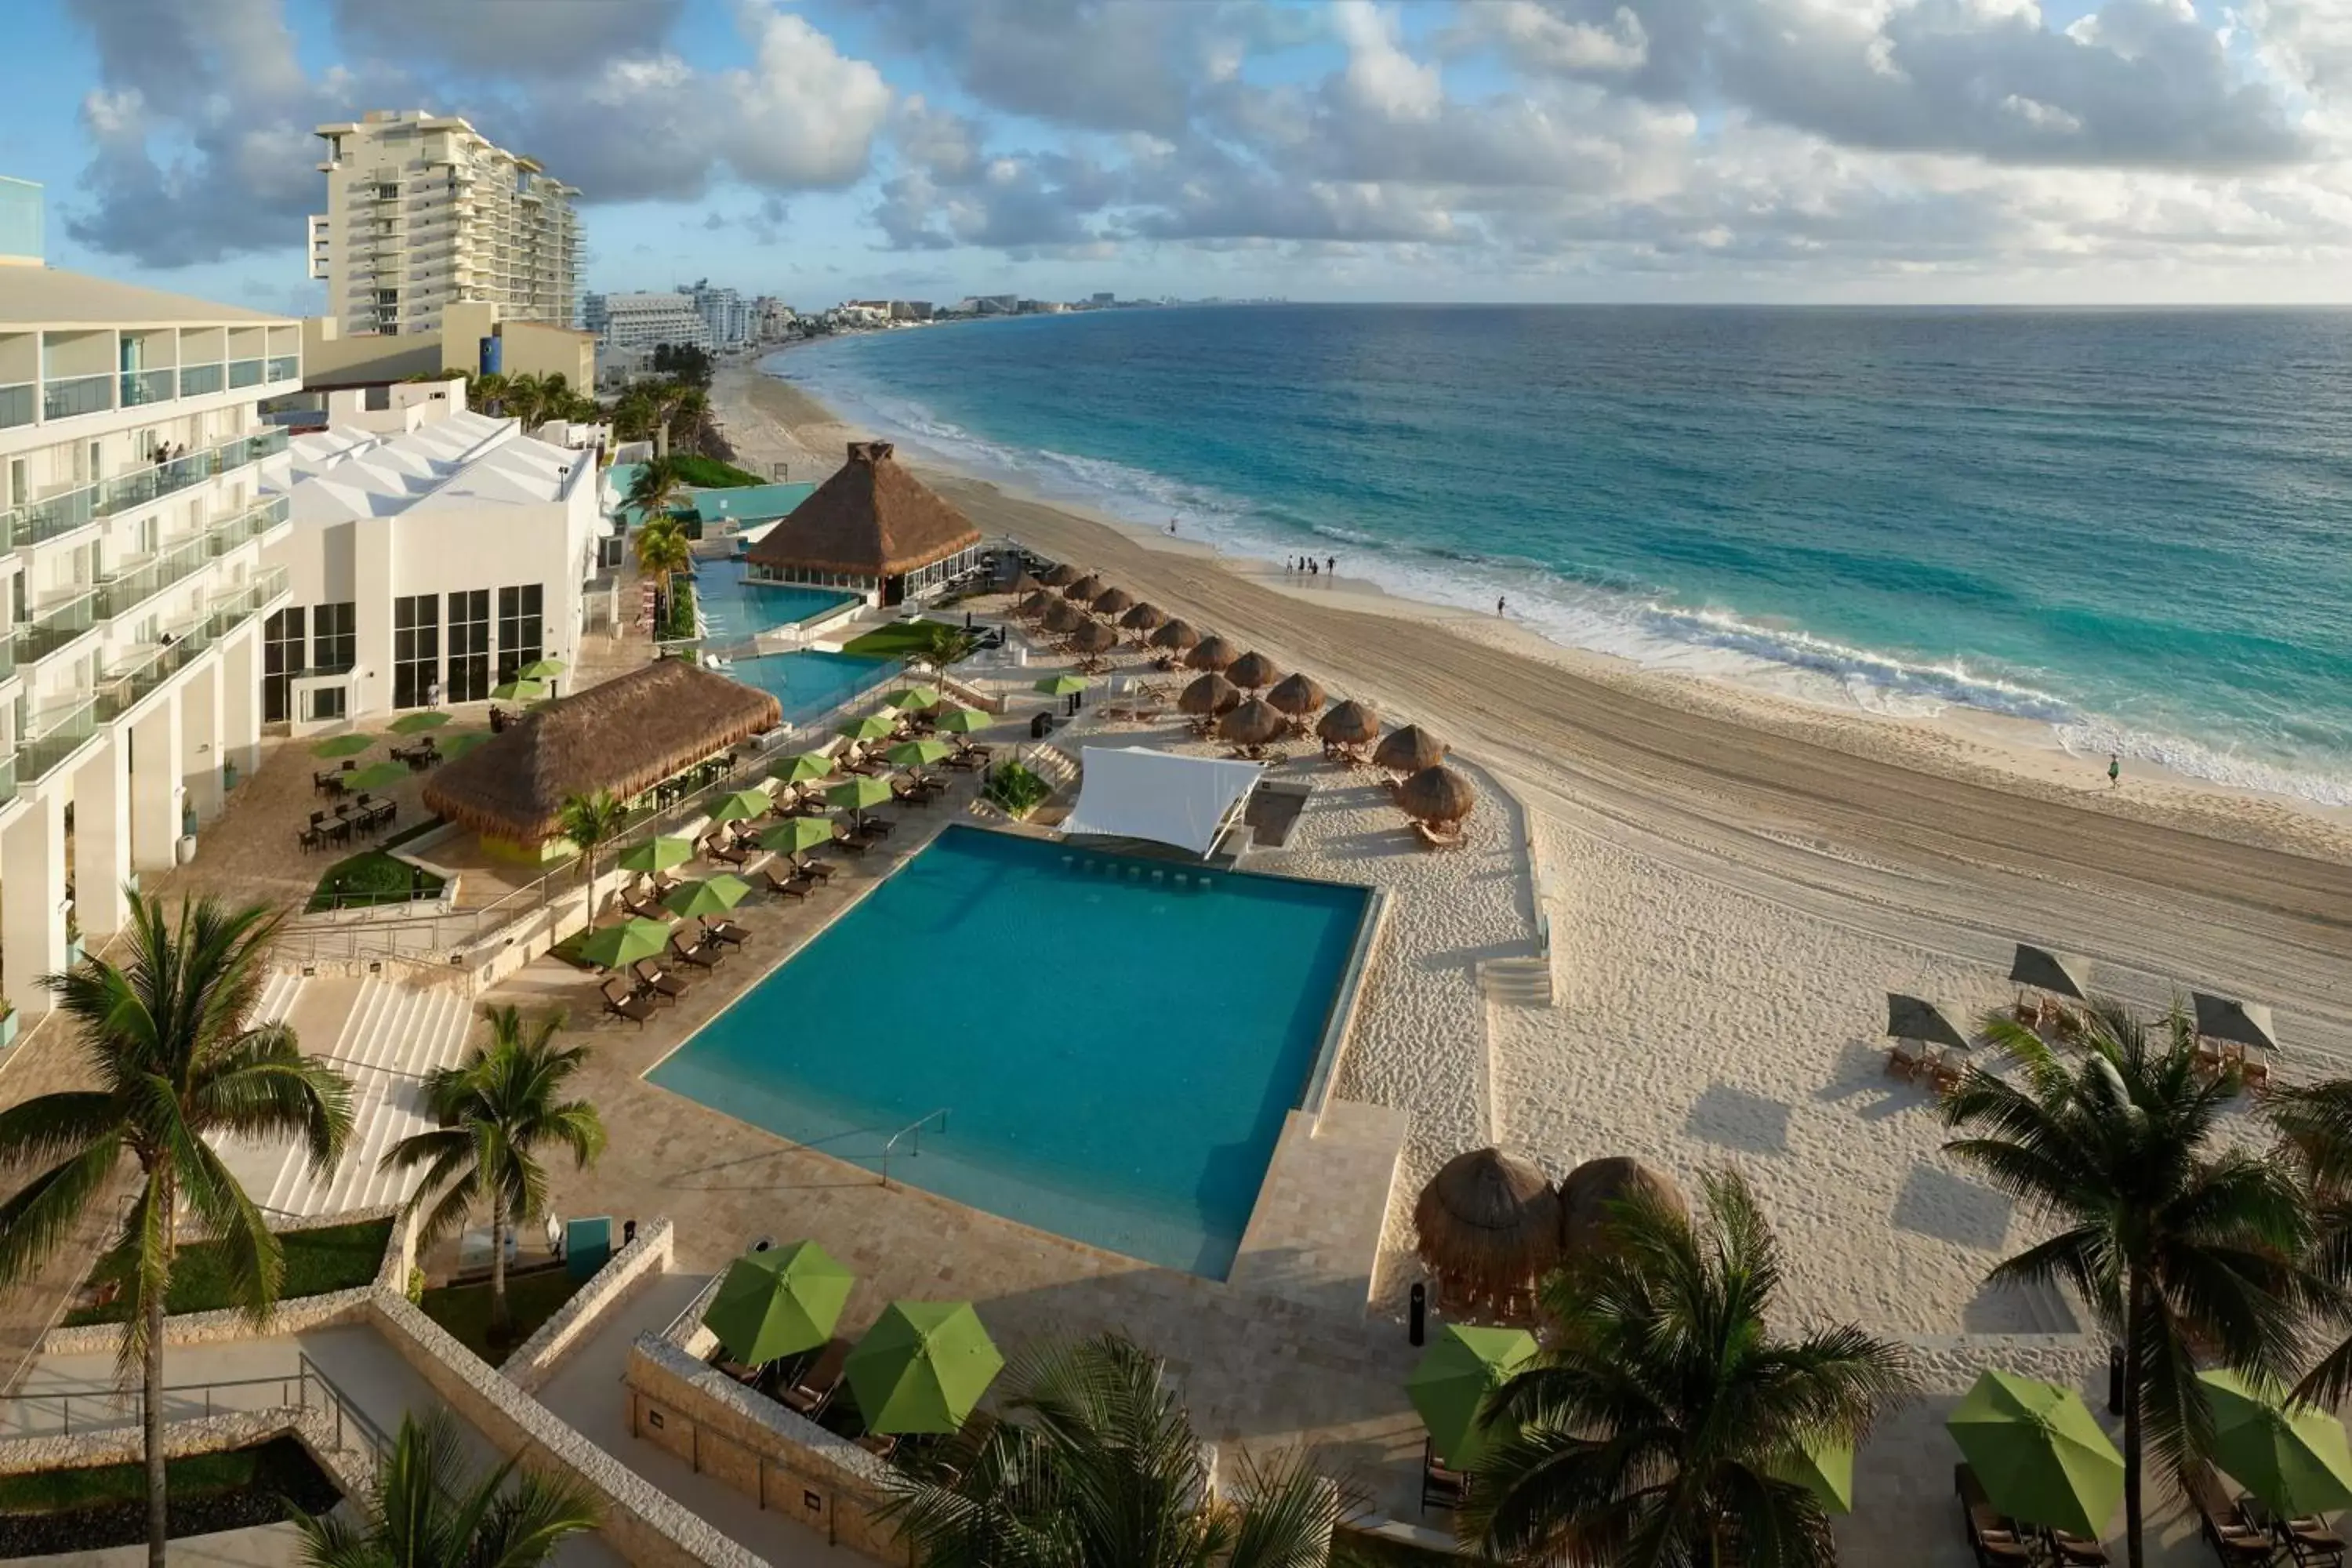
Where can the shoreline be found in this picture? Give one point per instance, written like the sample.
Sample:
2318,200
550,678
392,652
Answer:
784,422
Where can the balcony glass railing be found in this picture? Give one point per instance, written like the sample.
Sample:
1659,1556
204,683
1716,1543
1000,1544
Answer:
202,380
144,387
77,394
55,625
19,405
44,520
286,367
120,596
250,524
245,372
8,777
240,604
38,757
149,667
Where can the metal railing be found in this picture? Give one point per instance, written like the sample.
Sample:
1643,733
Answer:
97,1407
52,627
913,1131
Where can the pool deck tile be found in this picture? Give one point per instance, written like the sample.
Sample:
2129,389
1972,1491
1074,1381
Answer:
1316,1231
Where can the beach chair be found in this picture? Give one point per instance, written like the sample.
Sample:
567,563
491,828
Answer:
2313,1543
1434,837
1993,1537
703,954
814,1389
798,887
722,932
1448,1489
855,843
643,909
2070,1551
808,867
626,1005
966,762
1905,1060
732,854
653,980
2234,1541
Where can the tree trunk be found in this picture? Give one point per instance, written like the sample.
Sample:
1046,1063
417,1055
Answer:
2135,1299
152,1415
501,1320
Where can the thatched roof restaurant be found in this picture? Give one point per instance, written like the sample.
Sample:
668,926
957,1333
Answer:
627,736
872,528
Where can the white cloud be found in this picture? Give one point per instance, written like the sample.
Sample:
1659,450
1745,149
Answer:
804,115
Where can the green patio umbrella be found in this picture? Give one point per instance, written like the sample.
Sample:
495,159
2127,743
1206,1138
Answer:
873,727
519,691
964,721
741,806
540,669
923,753
805,768
1823,1468
915,696
922,1367
779,1302
797,834
656,854
1460,1368
618,947
2291,1456
1061,685
342,746
860,795
711,896
427,718
2042,1458
456,746
376,775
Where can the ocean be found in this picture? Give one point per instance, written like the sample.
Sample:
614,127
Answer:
2133,527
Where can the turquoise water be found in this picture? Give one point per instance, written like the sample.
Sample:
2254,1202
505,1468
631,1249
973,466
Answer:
734,609
1116,1051
809,683
2130,527
751,503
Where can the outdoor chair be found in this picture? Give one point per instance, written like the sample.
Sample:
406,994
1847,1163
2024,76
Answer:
967,761
644,909
309,839
703,954
2069,1551
722,932
653,980
2313,1543
807,866
326,783
798,887
2234,1540
879,828
1991,1536
627,1005
1437,838
814,1389
1448,1489
856,844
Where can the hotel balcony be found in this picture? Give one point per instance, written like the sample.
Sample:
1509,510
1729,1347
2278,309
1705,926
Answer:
36,399
36,522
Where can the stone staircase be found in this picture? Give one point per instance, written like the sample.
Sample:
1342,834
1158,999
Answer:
1517,982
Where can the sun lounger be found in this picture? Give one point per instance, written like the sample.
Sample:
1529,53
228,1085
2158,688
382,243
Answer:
798,887
1437,838
2313,1543
856,844
732,854
1905,1060
1993,1538
725,932
1448,1489
879,828
643,909
2234,1541
653,980
701,955
809,867
2074,1551
627,1005
814,1389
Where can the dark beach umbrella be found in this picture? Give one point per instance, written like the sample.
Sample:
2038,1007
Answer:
2240,1023
1297,695
1350,724
1436,793
1408,750
1025,584
1213,693
1913,1018
1253,723
1114,602
2059,973
1588,1193
1144,618
1252,671
1063,616
1488,1223
1062,576
1036,605
1085,590
1093,637
1175,636
1212,653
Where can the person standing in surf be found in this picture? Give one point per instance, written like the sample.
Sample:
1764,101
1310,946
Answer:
2114,770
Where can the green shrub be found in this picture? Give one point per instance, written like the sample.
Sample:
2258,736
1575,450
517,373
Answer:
371,877
416,1283
319,1260
710,473
1015,790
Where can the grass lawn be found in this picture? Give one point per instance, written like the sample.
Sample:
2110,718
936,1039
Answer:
893,641
710,474
371,877
464,1310
325,1259
268,1467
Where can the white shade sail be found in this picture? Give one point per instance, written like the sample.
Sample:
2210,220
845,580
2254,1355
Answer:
1132,792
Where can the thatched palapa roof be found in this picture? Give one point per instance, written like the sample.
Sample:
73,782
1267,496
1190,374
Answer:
1297,695
1589,1195
1212,653
1093,637
1025,584
1176,635
1036,605
1253,670
1062,576
1062,616
1085,589
1114,602
625,735
1213,693
1144,618
1253,723
872,518
1408,750
1351,724
1488,1222
1436,793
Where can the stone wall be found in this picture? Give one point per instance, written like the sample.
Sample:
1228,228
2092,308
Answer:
626,1273
340,1453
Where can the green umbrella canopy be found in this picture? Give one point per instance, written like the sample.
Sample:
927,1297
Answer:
2042,1458
1061,685
915,697
519,691
873,727
1460,1368
922,1367
2293,1457
456,746
796,834
342,746
964,721
656,854
741,805
542,669
618,947
779,1302
919,754
859,793
807,767
426,719
376,775
711,896
1823,1468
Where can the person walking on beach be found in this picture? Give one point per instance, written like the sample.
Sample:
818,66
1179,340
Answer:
1331,564
2114,770
1499,604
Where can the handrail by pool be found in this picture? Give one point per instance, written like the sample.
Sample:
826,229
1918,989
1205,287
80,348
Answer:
915,1128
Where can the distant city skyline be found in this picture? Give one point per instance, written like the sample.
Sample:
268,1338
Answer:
1929,151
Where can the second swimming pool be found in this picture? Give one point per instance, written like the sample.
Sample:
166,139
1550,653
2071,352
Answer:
809,683
735,610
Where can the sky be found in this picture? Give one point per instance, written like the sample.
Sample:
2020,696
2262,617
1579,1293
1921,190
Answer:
1823,151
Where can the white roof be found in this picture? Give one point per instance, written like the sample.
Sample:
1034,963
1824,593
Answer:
44,296
1133,791
466,459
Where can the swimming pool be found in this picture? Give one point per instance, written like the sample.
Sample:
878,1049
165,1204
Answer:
735,610
809,683
1115,1049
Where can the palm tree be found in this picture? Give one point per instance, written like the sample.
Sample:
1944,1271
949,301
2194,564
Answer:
658,487
1648,1430
492,1114
486,394
425,1508
2178,1244
2317,1122
937,644
526,399
173,1046
591,821
690,418
1100,1468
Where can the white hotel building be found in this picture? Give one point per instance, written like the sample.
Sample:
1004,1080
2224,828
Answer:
132,591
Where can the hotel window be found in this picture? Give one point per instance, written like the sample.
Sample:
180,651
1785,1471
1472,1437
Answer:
281,661
416,648
469,645
335,638
519,629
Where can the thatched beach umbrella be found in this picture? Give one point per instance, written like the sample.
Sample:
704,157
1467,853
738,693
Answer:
1487,1224
1588,1193
1175,636
1093,637
1252,671
1062,576
1350,724
1063,616
1212,653
1213,693
1436,795
1085,590
1408,750
1025,584
1144,618
1297,695
1035,605
1114,602
1252,723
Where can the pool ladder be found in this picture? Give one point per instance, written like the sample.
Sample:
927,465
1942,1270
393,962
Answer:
913,1131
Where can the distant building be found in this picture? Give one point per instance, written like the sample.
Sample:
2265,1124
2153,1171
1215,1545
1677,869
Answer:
468,339
725,315
641,321
1106,297
424,212
997,304
772,321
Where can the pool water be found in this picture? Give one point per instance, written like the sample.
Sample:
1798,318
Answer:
809,683
735,610
1115,1049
